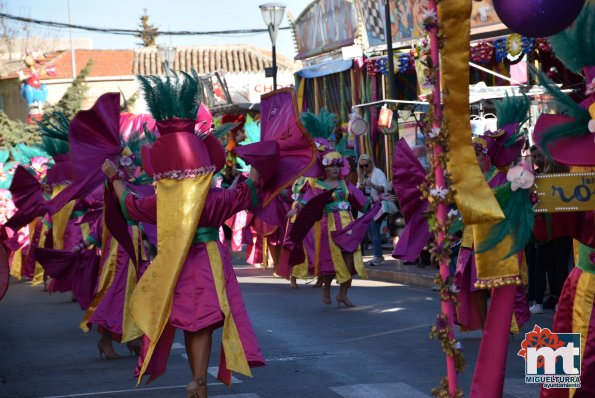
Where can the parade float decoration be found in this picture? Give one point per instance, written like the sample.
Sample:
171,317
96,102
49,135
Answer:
32,90
553,15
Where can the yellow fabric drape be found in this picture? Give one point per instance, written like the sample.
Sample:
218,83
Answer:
300,93
493,270
39,271
129,329
60,219
341,270
235,357
179,206
109,257
17,264
474,198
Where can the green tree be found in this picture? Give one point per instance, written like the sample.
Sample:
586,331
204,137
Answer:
147,33
72,100
14,132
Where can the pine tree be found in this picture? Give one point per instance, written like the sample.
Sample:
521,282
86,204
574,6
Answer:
72,100
14,132
148,33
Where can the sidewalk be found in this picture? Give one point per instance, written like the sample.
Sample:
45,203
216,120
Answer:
390,271
393,270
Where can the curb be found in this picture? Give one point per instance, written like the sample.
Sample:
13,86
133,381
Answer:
409,278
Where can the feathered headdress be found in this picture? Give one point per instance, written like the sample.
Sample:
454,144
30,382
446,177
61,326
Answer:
566,137
54,133
504,149
321,125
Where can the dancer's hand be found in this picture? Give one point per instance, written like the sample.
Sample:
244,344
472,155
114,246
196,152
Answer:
109,168
254,174
388,196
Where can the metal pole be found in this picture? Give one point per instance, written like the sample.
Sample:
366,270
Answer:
392,86
274,67
73,62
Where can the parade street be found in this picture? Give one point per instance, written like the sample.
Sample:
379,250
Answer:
378,349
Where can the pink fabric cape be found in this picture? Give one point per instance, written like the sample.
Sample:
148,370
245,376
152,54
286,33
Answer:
408,175
280,122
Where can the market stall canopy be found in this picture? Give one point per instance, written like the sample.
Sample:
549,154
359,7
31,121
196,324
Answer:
326,68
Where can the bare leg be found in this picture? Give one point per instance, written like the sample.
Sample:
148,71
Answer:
198,348
344,287
275,255
105,347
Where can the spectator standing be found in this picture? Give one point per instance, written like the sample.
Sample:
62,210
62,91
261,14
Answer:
372,181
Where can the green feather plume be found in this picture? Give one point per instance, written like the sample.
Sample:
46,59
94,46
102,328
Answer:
513,109
321,125
3,155
575,46
518,222
23,153
252,130
172,97
54,133
223,129
576,128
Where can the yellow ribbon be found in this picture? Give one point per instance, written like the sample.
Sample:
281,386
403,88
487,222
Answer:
179,206
474,198
129,329
61,218
493,269
235,357
39,271
109,257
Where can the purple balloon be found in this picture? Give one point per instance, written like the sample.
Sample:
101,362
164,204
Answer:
538,18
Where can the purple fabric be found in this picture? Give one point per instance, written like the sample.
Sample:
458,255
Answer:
280,122
109,313
350,237
468,314
572,151
264,156
408,175
29,265
61,171
93,136
521,306
4,272
116,223
27,197
500,154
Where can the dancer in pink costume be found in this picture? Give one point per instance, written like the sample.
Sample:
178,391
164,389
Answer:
191,282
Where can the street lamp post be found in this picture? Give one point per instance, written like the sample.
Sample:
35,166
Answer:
272,14
167,56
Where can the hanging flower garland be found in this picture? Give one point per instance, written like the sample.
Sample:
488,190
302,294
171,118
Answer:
482,53
435,129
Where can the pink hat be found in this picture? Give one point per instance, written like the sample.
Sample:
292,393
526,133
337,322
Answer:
500,151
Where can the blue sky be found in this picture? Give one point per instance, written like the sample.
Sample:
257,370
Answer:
197,15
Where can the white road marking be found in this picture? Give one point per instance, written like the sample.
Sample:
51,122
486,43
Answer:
177,346
383,390
213,372
422,326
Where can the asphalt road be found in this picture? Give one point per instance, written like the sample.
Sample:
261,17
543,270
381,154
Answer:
379,349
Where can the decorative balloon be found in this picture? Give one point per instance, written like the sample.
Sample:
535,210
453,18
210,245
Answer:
538,18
